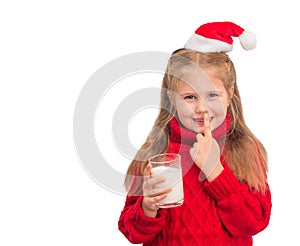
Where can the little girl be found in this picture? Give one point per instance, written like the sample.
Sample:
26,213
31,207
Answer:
226,196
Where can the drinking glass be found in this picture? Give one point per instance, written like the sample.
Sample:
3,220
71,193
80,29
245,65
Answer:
168,165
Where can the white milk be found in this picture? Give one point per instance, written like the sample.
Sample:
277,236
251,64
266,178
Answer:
173,177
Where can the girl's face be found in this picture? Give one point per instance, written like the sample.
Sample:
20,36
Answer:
198,94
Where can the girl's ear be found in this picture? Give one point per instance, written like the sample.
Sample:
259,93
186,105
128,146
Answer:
231,92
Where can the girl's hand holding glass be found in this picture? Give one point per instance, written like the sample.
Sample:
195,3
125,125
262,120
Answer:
151,194
206,152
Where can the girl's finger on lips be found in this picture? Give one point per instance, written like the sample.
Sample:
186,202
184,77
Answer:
207,129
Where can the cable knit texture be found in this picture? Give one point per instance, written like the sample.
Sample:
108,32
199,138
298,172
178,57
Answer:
222,212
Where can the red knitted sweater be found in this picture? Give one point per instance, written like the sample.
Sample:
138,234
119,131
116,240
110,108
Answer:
222,212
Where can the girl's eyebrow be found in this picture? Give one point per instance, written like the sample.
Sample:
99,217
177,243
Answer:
187,93
195,93
213,91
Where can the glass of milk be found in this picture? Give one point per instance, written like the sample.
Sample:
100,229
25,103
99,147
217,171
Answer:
168,165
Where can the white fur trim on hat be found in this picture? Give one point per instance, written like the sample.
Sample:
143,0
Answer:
202,44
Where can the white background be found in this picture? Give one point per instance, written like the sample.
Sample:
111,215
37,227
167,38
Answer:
49,49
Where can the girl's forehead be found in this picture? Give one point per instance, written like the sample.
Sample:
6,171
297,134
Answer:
200,84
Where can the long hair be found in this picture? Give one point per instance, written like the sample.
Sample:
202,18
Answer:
243,152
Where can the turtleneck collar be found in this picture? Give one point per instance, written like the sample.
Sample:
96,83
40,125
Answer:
184,136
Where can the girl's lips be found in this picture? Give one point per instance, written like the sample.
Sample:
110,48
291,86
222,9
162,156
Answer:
200,121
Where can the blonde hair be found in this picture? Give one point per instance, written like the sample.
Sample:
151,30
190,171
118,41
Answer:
243,152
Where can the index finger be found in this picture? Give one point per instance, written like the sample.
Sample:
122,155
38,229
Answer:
207,127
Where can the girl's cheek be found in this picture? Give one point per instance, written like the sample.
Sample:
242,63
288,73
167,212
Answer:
216,106
186,108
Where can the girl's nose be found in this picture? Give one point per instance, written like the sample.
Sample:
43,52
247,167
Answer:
200,107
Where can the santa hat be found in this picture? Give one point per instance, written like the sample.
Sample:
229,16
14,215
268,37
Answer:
217,37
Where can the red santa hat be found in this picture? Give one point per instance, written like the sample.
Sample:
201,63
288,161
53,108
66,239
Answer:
217,37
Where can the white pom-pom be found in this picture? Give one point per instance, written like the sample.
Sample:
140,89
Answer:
248,40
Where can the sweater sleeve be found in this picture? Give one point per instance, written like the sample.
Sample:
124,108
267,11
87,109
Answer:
137,227
242,212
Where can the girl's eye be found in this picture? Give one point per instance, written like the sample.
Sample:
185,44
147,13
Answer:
190,97
212,95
